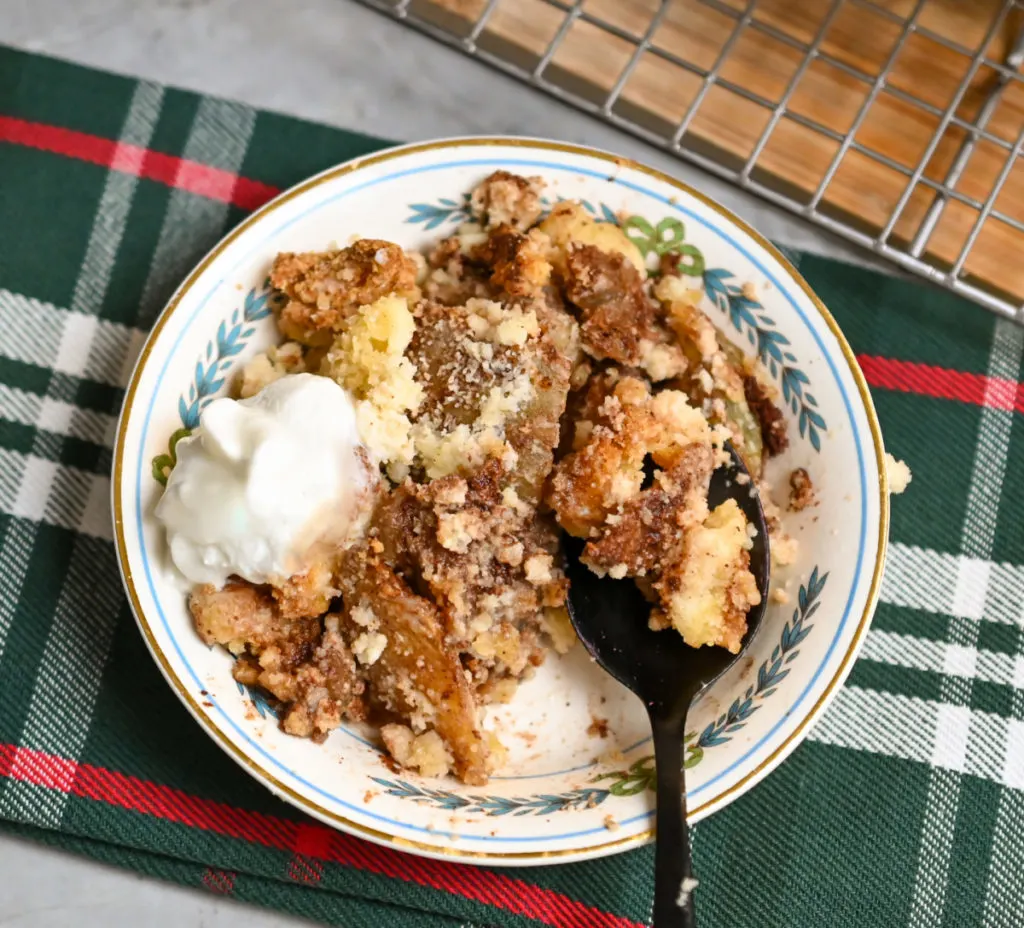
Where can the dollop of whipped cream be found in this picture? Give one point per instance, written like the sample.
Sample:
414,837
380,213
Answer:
265,479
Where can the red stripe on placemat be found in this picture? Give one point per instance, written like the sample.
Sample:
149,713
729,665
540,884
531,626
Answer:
309,839
23,764
304,869
180,173
311,842
221,882
942,383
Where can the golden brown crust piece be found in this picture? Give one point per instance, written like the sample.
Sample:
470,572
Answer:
801,490
607,469
452,279
307,593
485,556
460,372
507,199
322,691
517,262
650,529
325,288
624,425
300,662
619,320
729,616
240,614
521,275
773,426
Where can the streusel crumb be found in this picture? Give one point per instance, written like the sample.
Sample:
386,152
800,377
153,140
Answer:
801,490
324,288
527,373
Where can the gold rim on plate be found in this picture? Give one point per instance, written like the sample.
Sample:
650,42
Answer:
373,834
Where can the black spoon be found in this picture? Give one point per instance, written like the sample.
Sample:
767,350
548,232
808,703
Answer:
610,616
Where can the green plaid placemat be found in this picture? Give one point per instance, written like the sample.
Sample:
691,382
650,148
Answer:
905,806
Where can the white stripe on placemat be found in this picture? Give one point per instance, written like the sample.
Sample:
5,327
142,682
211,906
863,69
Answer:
15,557
42,334
879,722
970,594
923,730
933,581
56,494
192,225
33,331
76,342
937,657
115,202
56,416
1004,900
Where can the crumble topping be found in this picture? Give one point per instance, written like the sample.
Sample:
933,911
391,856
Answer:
801,490
303,664
707,593
526,374
426,752
368,359
368,647
269,366
494,389
323,289
538,569
507,199
617,315
569,224
784,549
898,474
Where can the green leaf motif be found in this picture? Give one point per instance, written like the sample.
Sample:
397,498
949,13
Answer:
639,777
694,755
691,261
667,237
163,464
641,233
670,234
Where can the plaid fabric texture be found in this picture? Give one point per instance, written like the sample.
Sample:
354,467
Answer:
904,807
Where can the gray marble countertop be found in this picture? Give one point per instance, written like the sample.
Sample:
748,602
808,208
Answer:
339,63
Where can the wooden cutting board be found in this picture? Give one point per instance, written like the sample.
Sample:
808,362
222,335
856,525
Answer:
726,126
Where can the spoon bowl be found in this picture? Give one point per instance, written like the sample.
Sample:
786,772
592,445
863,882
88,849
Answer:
611,619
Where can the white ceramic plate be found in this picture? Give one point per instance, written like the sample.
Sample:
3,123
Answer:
561,795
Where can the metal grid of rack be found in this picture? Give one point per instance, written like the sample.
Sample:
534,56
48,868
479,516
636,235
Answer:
897,125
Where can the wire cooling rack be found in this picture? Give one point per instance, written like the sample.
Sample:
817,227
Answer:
897,125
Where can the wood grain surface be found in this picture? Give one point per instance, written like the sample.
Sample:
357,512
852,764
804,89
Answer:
864,190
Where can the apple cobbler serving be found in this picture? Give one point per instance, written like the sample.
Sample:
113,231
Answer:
372,523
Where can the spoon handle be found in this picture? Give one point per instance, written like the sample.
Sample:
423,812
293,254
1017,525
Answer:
672,852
